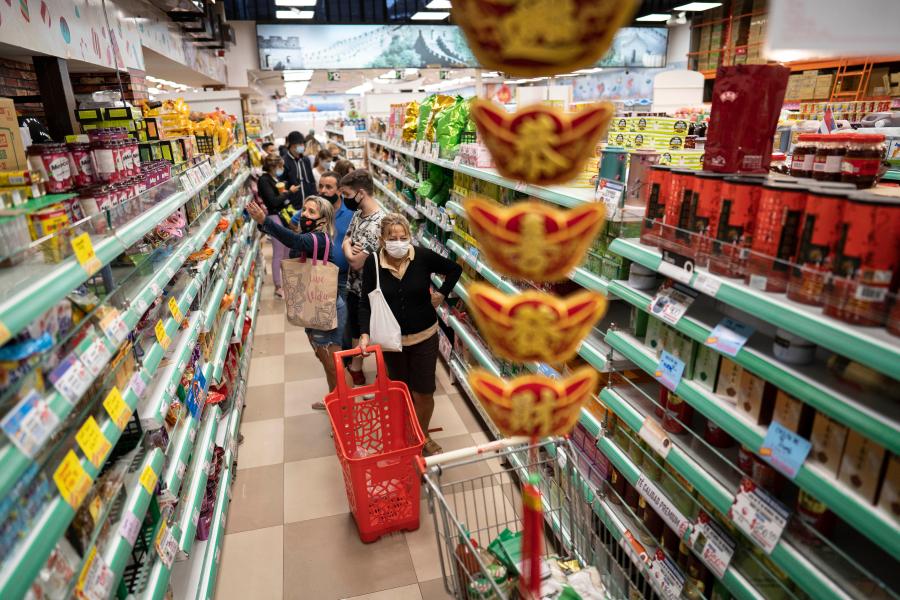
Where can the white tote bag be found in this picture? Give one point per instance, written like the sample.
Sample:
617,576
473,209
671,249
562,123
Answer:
384,329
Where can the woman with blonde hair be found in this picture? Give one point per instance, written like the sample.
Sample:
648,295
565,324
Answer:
316,225
404,272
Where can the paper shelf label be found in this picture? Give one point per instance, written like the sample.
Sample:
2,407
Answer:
784,449
714,546
668,579
129,528
653,433
176,312
85,255
96,579
114,327
669,370
116,408
759,515
72,480
29,424
161,336
71,379
729,336
671,302
707,284
5,334
148,479
95,356
663,506
165,545
137,385
92,442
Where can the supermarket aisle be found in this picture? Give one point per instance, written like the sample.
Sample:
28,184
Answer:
289,532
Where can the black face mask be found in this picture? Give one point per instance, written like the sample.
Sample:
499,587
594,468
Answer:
333,198
352,202
308,225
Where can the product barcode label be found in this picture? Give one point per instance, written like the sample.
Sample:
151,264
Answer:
868,293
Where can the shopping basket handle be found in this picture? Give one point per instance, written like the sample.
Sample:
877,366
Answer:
381,376
495,446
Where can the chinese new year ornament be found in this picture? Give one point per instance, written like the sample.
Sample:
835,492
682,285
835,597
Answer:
540,144
533,325
532,240
540,37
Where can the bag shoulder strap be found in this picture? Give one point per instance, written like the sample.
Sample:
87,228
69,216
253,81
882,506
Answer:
377,273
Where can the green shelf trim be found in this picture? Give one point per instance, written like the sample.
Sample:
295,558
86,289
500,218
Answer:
231,190
456,208
189,505
870,346
563,196
117,552
589,281
839,407
157,585
210,568
482,268
232,429
481,353
437,223
221,347
156,352
178,453
459,371
241,274
255,304
215,299
856,512
398,201
239,319
394,172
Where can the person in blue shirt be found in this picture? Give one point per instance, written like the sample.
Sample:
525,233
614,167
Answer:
316,223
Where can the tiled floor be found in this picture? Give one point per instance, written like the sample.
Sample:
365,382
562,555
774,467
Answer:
289,532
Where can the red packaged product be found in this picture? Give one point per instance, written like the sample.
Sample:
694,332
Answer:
704,221
804,155
775,236
893,321
660,408
746,102
676,410
716,436
676,235
656,193
866,260
734,225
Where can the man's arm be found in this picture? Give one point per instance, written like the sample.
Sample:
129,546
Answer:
356,259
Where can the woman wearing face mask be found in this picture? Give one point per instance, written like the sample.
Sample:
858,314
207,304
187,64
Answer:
317,223
275,199
405,275
321,165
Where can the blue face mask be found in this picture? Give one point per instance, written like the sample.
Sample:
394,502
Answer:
279,172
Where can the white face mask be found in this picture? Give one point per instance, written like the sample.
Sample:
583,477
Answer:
397,248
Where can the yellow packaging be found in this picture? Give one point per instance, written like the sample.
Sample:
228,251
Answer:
665,125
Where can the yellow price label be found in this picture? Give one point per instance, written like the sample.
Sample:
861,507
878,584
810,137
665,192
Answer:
161,336
84,253
5,334
72,480
116,408
92,442
82,578
176,312
148,479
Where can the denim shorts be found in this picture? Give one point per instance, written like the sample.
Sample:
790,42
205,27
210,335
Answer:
318,337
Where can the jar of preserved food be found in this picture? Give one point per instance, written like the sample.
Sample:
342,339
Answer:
656,194
716,436
52,161
830,150
866,259
676,232
678,412
81,163
814,515
103,158
775,236
804,155
734,225
862,162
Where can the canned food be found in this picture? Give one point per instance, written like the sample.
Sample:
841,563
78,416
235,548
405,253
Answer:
819,234
734,225
52,161
45,222
104,159
775,236
656,195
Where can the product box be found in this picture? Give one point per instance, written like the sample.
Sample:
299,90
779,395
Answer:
12,150
756,398
822,90
728,384
889,497
656,332
639,319
706,367
827,439
861,465
686,350
792,413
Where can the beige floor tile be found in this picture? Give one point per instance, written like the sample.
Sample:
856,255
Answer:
443,376
307,436
271,306
257,499
264,402
409,592
266,370
423,546
313,488
268,345
297,342
263,443
268,324
466,412
434,590
447,418
299,395
328,561
252,561
298,367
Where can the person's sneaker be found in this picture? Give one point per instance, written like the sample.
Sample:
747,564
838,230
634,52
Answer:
359,378
431,447
318,406
279,292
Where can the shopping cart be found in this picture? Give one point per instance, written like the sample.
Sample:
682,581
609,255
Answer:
377,437
474,496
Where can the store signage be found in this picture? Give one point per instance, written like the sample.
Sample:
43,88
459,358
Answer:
92,442
712,544
729,336
663,506
759,515
72,480
784,449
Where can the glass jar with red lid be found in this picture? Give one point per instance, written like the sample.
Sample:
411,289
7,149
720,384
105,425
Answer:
656,194
734,225
676,231
867,259
862,162
804,155
53,163
83,170
704,221
776,235
830,151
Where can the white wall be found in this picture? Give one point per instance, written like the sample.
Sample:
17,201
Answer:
244,55
679,46
380,104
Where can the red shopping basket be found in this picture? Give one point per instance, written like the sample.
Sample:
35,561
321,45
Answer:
377,440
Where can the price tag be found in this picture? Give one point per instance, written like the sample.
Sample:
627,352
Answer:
148,479
84,253
71,379
96,579
784,449
161,336
129,528
707,284
653,433
72,480
113,325
180,469
713,545
95,356
154,287
137,385
636,551
176,312
671,302
457,159
669,370
668,578
116,408
759,515
141,305
92,442
729,336
165,545
29,424
170,272
520,186
195,516
663,506
611,193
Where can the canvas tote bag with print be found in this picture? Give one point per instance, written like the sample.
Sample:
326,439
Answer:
384,329
310,290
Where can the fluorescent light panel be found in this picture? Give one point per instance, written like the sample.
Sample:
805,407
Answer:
295,2
302,75
654,17
294,14
438,5
430,16
296,89
698,6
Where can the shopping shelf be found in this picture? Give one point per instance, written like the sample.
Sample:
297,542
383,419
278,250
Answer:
230,191
460,374
874,524
193,493
870,346
398,202
481,353
876,417
394,172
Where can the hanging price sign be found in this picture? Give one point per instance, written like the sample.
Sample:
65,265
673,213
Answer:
71,378
729,336
116,408
669,370
161,336
759,515
85,255
671,302
713,545
113,325
784,449
72,480
176,312
148,479
129,528
92,442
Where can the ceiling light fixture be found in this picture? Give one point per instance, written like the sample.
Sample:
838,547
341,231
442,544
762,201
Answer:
654,17
295,2
362,88
294,14
429,16
302,75
296,88
438,5
698,6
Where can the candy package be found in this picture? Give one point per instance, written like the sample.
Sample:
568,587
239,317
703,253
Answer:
450,125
